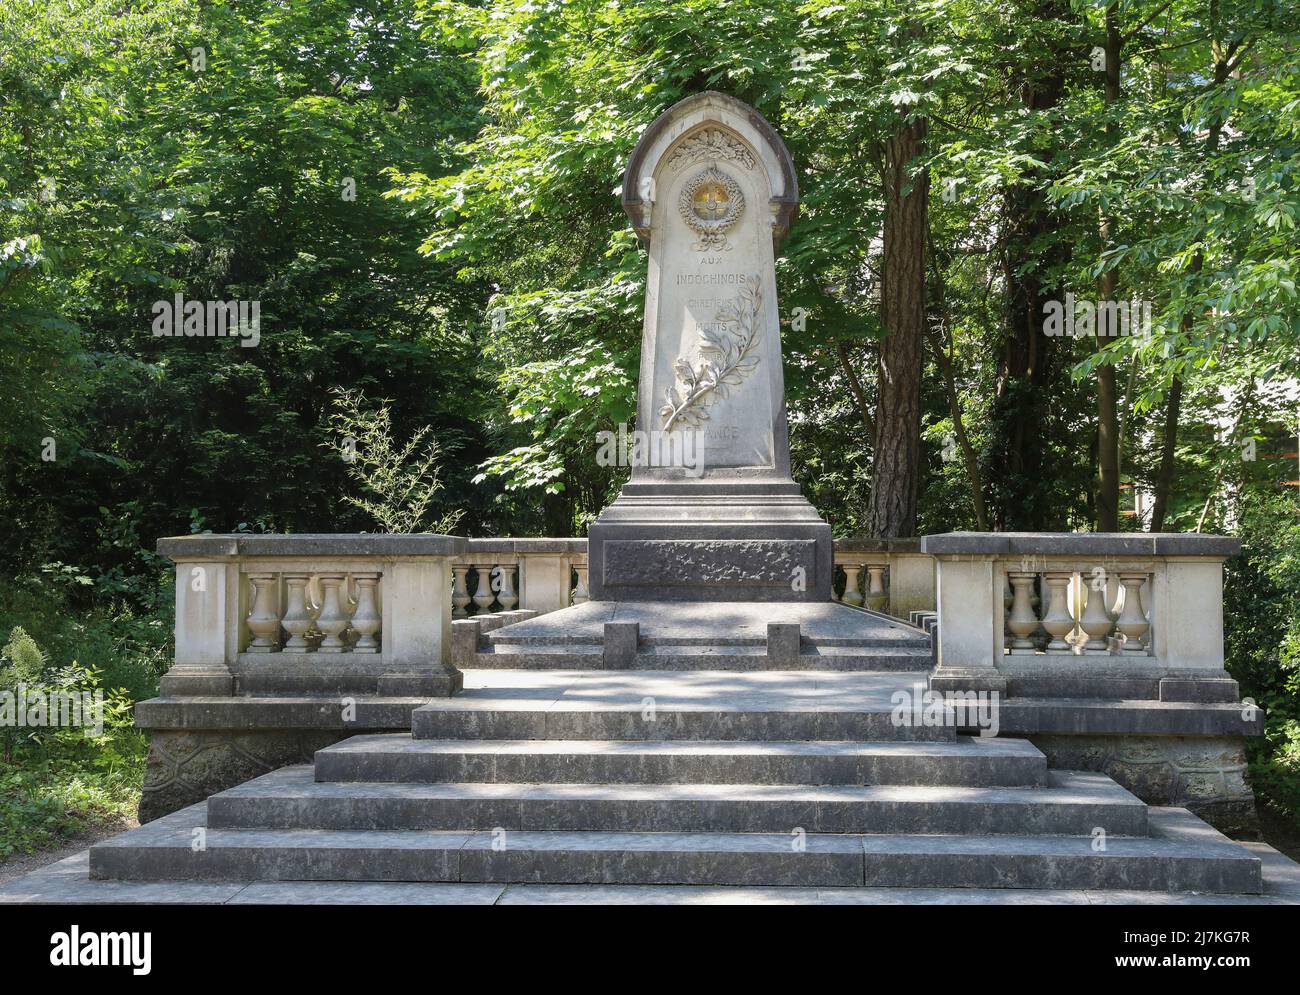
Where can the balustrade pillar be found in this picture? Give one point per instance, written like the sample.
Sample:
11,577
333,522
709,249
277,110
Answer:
483,593
1022,622
263,617
581,594
333,619
366,619
460,598
876,596
1057,619
297,619
505,586
851,596
1096,622
1132,621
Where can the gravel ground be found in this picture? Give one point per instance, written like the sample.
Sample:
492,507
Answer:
24,863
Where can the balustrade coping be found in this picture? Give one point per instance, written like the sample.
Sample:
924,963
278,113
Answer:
869,545
476,547
308,544
1091,544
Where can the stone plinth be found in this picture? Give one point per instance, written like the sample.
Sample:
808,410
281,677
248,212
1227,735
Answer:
712,512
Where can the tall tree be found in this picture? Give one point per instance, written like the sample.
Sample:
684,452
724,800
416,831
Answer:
1108,468
896,468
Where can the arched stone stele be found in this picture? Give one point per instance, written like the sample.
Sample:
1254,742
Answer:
711,512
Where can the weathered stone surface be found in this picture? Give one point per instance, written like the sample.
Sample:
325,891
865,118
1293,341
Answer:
742,562
1207,689
620,643
711,188
67,882
1070,804
184,767
399,758
1078,544
1183,854
1205,775
308,544
783,644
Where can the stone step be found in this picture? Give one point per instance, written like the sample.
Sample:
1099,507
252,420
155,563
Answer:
1071,804
967,761
696,705
1184,854
461,718
718,656
893,637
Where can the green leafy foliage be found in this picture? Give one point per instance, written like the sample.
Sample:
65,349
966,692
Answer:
423,196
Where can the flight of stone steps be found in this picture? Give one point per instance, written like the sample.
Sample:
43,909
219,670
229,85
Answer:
765,778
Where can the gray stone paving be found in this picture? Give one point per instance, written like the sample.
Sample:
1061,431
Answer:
66,882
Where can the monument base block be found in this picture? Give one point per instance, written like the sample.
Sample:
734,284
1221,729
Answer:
710,541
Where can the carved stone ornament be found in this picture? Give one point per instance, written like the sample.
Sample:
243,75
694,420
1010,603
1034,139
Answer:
711,203
711,143
727,358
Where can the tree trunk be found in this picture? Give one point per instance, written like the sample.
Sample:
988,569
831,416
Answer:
1165,475
1028,369
896,467
1108,468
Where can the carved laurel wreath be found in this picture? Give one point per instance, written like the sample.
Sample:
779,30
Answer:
712,231
725,361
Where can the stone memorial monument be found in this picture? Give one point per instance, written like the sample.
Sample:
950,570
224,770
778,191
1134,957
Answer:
711,191
650,737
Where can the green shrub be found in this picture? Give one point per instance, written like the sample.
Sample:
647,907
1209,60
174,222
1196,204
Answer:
58,780
1262,641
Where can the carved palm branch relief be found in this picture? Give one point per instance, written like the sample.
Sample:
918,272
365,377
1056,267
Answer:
726,359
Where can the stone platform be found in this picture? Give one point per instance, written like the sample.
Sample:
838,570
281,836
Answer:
67,883
702,779
665,635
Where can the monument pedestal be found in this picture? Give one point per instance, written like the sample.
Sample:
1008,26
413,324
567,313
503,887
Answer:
711,189
720,540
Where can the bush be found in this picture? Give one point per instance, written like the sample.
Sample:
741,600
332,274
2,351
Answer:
59,780
1262,641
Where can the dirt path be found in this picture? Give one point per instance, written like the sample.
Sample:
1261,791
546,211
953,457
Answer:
24,863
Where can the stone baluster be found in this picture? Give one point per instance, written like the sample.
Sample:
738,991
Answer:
366,619
263,615
1096,622
851,595
1132,621
581,595
460,598
876,597
483,593
505,585
1057,619
297,620
333,619
1023,622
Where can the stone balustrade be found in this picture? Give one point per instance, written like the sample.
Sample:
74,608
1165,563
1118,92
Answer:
1103,604
892,576
312,613
539,575
302,614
